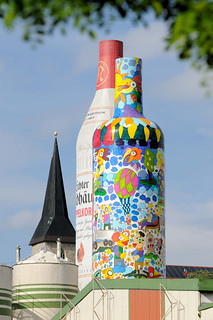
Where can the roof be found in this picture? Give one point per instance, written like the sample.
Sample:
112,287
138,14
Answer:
54,221
182,271
135,284
44,255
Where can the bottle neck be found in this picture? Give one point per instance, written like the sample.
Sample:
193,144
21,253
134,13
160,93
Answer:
109,51
128,88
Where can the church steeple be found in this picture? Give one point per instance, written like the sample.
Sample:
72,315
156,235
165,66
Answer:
54,222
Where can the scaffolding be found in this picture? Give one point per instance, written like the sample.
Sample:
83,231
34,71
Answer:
103,304
72,306
175,308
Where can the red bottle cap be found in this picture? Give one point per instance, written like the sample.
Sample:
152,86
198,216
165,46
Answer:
109,50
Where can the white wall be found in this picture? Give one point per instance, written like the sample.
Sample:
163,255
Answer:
184,303
116,306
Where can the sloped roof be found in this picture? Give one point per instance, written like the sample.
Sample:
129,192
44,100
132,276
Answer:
54,221
44,255
181,272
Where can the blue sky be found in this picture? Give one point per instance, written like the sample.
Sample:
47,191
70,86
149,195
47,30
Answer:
51,88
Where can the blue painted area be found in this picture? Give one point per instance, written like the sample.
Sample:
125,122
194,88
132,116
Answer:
114,169
119,211
149,192
135,212
154,198
142,205
134,218
116,203
134,225
125,66
114,161
117,151
110,176
107,165
100,199
134,206
132,63
112,197
106,198
110,189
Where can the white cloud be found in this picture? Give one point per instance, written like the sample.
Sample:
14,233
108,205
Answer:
189,233
147,43
87,56
206,132
187,245
139,41
182,87
21,220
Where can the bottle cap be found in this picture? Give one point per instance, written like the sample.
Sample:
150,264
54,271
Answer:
109,50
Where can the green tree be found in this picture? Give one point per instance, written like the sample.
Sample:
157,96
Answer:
149,162
201,274
189,22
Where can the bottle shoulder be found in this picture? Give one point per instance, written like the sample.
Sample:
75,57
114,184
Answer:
103,97
128,121
118,130
100,110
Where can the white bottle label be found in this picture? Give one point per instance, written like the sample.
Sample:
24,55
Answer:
100,111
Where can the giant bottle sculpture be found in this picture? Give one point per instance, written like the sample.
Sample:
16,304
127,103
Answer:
101,109
128,177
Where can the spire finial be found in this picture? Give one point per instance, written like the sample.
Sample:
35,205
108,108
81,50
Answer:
55,133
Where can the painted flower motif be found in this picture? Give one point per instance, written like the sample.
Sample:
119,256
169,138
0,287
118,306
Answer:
95,258
153,262
128,259
110,256
158,263
99,257
105,258
146,263
95,265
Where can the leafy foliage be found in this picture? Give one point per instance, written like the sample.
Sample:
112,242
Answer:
201,274
190,22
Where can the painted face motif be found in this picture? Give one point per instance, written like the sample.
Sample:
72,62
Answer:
106,209
158,211
138,241
122,239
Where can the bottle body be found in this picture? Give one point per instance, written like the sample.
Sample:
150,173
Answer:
101,109
128,177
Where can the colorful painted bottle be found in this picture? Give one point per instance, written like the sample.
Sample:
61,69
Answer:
100,110
128,178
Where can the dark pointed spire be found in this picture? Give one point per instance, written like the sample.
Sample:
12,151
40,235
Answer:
54,222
